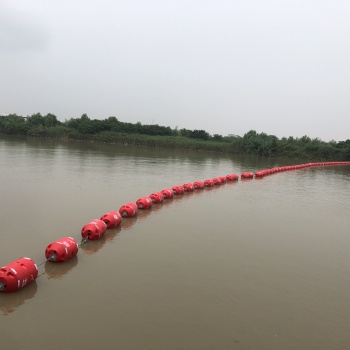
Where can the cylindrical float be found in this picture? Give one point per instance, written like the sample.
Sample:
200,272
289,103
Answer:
188,187
198,184
157,197
17,274
144,202
94,229
178,189
223,179
247,175
209,182
112,219
61,250
216,181
232,177
260,173
167,193
128,210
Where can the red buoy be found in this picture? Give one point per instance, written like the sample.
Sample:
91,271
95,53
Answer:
112,219
188,187
209,182
94,229
17,274
198,184
216,181
178,189
247,175
62,250
232,177
157,197
223,179
168,193
144,202
260,173
128,210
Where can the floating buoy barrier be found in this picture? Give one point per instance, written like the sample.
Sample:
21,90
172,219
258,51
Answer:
270,171
178,190
17,275
144,203
94,229
128,210
167,193
112,219
188,187
247,175
23,271
157,197
62,250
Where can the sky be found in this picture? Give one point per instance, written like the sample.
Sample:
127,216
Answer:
280,67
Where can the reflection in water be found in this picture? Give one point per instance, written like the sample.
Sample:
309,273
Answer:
58,270
128,222
142,214
93,246
10,302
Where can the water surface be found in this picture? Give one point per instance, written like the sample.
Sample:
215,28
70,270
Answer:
258,264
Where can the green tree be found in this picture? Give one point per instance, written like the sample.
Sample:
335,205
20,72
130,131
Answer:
218,137
36,120
50,120
13,124
199,134
85,126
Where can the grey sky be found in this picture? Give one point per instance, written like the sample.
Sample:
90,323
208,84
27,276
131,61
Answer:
225,66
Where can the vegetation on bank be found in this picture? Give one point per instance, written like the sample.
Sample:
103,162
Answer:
112,130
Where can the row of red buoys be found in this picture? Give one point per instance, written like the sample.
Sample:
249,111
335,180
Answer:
270,171
19,273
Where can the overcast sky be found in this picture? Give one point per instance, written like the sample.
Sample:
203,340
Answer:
226,66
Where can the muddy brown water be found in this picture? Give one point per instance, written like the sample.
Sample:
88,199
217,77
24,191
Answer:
257,264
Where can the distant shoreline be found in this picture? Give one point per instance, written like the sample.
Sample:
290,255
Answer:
113,131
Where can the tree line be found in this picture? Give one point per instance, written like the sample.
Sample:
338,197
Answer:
114,131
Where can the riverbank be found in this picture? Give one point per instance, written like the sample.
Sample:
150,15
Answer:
111,130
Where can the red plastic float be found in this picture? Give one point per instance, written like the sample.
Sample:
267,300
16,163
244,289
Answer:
157,197
247,175
216,181
198,184
128,210
232,177
17,274
144,202
209,182
94,229
62,250
188,187
223,179
260,173
167,193
178,190
112,219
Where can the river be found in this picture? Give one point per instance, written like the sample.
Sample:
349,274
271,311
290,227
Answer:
254,264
